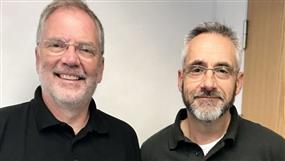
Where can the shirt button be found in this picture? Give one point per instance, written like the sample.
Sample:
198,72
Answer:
75,160
197,153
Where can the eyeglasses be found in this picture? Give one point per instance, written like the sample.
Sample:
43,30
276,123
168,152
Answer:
58,47
197,72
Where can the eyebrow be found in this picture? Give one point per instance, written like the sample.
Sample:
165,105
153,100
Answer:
65,40
223,64
55,39
202,63
198,62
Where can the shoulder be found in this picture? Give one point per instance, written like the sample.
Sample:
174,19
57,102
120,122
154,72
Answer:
259,131
13,116
14,110
260,136
157,143
159,138
168,136
116,125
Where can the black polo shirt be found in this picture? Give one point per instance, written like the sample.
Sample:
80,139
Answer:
243,141
29,132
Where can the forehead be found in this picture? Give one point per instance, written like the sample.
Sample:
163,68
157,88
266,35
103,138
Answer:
211,49
70,23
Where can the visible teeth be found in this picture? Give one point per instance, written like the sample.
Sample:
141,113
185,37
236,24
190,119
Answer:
69,77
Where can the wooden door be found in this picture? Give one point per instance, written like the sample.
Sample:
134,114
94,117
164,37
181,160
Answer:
264,84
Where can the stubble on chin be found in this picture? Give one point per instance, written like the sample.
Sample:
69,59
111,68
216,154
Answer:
65,95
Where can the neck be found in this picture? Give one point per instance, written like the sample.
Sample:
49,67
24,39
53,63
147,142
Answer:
75,116
202,132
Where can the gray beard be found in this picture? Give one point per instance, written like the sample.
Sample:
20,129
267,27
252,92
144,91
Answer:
206,116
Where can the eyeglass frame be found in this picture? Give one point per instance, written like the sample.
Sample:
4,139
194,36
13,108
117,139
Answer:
215,70
67,44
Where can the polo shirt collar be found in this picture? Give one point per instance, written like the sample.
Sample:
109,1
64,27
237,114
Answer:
45,119
96,121
232,130
176,134
43,116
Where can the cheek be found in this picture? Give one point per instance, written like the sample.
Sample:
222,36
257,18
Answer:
41,64
190,86
92,69
46,64
228,89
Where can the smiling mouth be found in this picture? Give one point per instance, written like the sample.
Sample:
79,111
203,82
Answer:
70,77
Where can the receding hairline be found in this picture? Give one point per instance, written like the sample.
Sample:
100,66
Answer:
207,34
215,28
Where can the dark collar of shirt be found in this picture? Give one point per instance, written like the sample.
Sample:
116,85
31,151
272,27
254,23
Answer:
177,137
46,120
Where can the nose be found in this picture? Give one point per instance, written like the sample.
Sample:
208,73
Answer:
69,57
209,81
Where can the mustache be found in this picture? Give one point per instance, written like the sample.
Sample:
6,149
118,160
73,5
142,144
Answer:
209,93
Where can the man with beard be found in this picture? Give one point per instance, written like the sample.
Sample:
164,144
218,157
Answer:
62,122
209,128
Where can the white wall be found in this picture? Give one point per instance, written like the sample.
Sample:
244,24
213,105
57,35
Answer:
143,45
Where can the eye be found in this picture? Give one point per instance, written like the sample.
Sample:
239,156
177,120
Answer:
197,69
55,44
194,70
223,70
87,49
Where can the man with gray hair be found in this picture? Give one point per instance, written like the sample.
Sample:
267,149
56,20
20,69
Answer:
209,128
62,122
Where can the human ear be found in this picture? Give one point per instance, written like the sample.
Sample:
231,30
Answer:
239,82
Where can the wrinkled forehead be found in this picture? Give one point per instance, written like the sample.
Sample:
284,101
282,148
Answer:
210,50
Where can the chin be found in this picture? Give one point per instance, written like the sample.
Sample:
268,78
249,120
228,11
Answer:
207,116
68,98
206,112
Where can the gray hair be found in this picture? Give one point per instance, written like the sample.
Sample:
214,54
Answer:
56,4
213,27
